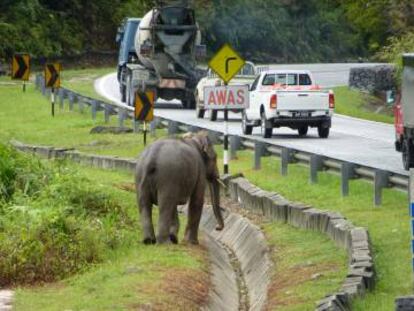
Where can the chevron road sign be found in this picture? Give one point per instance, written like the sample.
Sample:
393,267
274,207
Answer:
52,75
144,106
21,66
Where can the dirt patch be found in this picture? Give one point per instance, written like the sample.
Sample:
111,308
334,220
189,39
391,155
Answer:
126,186
179,289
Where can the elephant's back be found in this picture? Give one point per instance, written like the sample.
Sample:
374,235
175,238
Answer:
171,161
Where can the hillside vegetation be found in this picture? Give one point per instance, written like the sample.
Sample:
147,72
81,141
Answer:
277,31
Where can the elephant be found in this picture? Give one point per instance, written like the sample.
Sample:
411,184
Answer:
176,171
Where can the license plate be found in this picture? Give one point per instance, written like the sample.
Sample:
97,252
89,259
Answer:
303,114
141,75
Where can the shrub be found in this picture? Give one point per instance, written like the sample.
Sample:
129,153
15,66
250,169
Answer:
53,220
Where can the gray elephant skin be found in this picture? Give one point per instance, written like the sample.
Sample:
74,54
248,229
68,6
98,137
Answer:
172,172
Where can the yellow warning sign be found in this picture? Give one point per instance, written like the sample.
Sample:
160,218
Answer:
144,106
21,66
52,75
226,63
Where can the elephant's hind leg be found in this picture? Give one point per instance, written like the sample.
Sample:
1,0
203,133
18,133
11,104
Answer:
195,207
175,227
145,208
166,208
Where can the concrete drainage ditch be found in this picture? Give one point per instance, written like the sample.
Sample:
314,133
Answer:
240,263
241,284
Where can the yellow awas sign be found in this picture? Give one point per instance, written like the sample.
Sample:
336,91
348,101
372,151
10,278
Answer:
144,105
21,66
52,75
226,63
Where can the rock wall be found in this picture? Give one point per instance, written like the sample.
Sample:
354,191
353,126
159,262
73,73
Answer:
373,79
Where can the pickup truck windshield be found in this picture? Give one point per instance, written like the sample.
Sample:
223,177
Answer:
287,79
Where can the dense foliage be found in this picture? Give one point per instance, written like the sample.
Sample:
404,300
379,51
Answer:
54,221
283,30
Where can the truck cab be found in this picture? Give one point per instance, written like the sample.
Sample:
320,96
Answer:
125,39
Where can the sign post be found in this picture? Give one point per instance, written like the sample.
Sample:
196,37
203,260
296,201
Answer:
411,199
144,109
226,63
21,68
52,80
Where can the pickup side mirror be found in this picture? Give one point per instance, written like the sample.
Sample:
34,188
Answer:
390,97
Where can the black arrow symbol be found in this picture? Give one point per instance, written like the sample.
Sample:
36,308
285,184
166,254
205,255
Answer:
228,60
54,75
22,67
146,106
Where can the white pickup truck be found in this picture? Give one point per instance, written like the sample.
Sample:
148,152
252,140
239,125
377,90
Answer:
288,98
245,76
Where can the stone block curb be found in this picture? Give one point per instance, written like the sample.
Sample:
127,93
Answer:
355,240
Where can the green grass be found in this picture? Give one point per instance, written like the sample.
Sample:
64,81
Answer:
82,80
388,225
307,267
354,104
129,278
22,111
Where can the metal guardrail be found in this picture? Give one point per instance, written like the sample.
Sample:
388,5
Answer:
347,170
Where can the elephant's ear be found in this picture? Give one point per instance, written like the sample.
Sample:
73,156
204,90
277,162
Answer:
203,142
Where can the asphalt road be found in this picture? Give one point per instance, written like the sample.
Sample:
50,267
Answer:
363,142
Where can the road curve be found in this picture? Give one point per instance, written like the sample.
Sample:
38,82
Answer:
354,140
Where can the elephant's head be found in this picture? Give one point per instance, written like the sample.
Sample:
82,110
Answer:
206,149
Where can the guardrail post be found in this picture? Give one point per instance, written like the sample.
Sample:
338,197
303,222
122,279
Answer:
94,107
235,144
107,111
43,87
80,104
347,173
381,181
259,152
316,165
153,127
121,117
61,98
37,81
214,137
172,127
71,100
286,157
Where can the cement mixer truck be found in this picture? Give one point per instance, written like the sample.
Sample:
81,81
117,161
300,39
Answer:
163,58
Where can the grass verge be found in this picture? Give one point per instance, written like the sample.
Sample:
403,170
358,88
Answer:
130,277
388,225
356,104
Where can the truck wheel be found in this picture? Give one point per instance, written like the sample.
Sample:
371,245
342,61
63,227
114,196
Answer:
303,130
266,127
246,128
199,111
128,91
123,94
213,115
407,154
323,132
